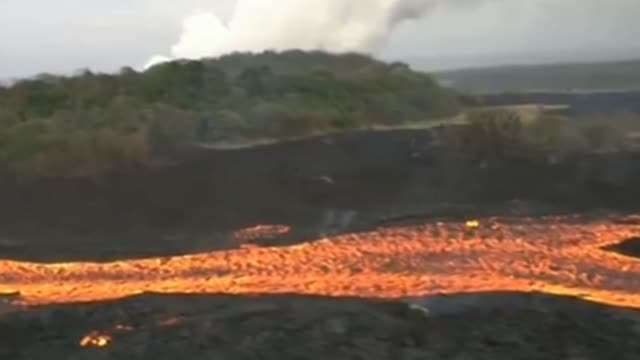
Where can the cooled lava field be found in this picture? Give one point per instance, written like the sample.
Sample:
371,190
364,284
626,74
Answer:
406,253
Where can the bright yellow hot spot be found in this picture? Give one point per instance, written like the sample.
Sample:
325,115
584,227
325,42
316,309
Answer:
95,339
472,224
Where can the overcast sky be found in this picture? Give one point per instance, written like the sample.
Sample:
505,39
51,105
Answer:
63,35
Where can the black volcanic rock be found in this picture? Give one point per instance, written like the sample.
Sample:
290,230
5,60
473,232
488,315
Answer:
193,205
297,327
628,247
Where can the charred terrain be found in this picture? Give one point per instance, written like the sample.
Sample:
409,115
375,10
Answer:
330,184
374,215
475,326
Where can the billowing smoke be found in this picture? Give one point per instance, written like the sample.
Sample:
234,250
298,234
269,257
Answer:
330,25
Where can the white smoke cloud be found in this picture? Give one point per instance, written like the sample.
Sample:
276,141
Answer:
330,25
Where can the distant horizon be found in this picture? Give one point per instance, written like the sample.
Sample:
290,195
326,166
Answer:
455,61
450,62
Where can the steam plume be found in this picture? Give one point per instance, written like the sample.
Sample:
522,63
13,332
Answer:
330,25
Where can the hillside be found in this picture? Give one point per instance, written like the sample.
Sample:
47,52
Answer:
605,76
93,124
319,185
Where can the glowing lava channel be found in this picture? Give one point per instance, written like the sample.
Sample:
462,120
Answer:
550,255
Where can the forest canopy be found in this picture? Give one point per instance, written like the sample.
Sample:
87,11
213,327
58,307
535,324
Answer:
90,124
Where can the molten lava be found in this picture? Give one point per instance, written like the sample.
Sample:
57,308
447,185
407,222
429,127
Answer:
552,255
472,224
95,339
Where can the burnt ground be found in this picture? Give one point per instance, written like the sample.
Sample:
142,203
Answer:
294,327
332,184
628,247
327,184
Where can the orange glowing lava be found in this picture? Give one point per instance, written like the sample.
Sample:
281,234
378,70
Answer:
472,224
551,255
95,339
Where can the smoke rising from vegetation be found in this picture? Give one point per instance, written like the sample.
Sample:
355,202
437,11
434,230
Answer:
330,25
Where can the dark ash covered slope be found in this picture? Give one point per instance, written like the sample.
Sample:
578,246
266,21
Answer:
295,327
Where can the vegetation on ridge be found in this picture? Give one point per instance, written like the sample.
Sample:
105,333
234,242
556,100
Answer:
91,124
501,133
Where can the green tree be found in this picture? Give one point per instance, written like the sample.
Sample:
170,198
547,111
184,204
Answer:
90,123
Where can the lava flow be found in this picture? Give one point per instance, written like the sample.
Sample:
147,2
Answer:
551,255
